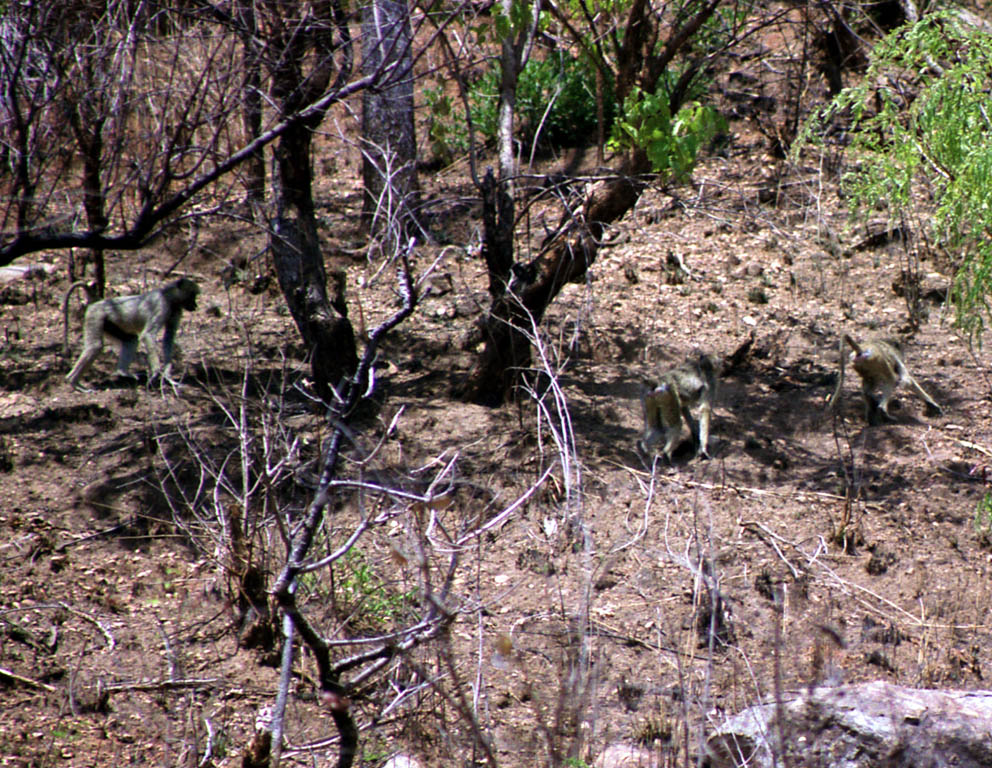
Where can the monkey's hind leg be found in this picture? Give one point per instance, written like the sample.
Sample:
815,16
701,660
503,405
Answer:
84,361
129,347
670,411
877,410
662,420
92,346
701,431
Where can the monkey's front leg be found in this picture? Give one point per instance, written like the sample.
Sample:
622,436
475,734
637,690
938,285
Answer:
128,349
701,432
163,368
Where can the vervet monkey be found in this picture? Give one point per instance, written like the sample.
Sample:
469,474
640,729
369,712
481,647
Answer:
880,364
672,397
134,319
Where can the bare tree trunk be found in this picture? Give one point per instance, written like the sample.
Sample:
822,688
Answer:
90,140
507,347
389,144
299,263
508,328
93,109
513,58
321,319
251,110
87,125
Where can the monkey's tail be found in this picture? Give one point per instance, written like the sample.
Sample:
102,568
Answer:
832,404
854,345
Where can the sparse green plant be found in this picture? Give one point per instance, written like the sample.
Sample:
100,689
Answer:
448,137
375,754
983,515
672,142
313,585
374,602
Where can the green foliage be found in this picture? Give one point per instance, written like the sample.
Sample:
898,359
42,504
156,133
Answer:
568,84
672,143
448,137
504,26
609,8
919,130
983,514
375,754
375,604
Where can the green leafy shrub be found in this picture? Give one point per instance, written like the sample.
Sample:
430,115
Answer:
375,605
565,83
448,137
672,142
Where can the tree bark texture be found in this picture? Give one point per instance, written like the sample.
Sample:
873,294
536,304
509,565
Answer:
497,240
299,264
389,144
327,333
252,107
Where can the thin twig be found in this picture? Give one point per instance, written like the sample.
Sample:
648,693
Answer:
14,677
111,643
163,685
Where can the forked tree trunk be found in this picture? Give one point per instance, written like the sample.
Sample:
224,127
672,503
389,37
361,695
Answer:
94,204
516,311
508,327
321,318
327,333
94,201
299,263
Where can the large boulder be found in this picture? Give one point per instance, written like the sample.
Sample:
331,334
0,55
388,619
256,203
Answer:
860,726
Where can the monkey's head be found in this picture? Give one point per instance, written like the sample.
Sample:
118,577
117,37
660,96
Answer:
184,292
709,365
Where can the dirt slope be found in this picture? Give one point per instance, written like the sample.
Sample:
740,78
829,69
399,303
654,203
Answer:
118,641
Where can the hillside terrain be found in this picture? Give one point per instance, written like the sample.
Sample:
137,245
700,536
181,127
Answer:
620,602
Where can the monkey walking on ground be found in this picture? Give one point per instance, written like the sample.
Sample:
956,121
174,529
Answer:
132,320
880,364
671,398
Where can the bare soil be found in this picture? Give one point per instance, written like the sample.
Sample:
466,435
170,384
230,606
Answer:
808,550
